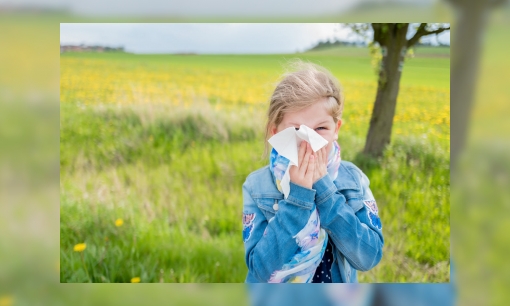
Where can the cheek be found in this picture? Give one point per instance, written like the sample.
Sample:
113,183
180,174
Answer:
330,145
328,135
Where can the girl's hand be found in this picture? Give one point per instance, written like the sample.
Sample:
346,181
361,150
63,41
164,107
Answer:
303,174
321,166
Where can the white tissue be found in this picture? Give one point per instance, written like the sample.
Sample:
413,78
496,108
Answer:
287,142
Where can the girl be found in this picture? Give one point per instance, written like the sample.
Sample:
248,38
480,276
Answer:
327,227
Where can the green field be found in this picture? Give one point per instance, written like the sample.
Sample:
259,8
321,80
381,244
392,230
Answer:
164,142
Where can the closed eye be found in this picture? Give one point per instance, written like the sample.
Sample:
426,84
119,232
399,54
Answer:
321,128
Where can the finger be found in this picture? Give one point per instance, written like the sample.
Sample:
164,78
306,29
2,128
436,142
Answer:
316,173
316,159
311,168
320,158
301,153
304,165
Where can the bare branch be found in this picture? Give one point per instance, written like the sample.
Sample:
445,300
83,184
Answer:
422,31
437,31
416,37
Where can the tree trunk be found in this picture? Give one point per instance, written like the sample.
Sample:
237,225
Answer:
467,43
381,122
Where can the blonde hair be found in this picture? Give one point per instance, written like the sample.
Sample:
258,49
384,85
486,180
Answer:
300,87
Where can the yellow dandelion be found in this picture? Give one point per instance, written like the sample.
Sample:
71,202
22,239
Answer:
6,300
80,247
119,222
135,280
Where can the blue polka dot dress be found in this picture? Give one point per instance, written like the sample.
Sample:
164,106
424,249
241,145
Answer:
323,272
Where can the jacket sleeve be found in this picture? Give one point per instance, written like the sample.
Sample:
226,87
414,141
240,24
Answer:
357,235
270,244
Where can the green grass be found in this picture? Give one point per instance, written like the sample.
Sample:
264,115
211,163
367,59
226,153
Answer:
174,175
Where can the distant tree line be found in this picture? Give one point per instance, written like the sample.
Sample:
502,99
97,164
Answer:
337,43
343,43
84,48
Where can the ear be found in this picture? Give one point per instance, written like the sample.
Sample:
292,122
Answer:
272,130
337,128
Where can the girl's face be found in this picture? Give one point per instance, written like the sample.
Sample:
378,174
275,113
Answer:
315,117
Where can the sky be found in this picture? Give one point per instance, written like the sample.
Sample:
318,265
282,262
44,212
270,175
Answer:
206,38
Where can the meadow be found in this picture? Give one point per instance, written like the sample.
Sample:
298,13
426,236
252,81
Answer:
154,150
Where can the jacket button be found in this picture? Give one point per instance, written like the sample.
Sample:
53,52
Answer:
275,206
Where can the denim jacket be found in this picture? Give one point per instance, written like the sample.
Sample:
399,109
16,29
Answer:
347,212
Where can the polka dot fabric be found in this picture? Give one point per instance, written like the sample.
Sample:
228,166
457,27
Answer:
323,272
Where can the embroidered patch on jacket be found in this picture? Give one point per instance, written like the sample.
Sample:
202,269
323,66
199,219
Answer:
372,206
373,214
247,225
374,219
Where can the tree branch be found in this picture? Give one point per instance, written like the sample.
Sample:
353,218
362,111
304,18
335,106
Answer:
417,35
423,32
